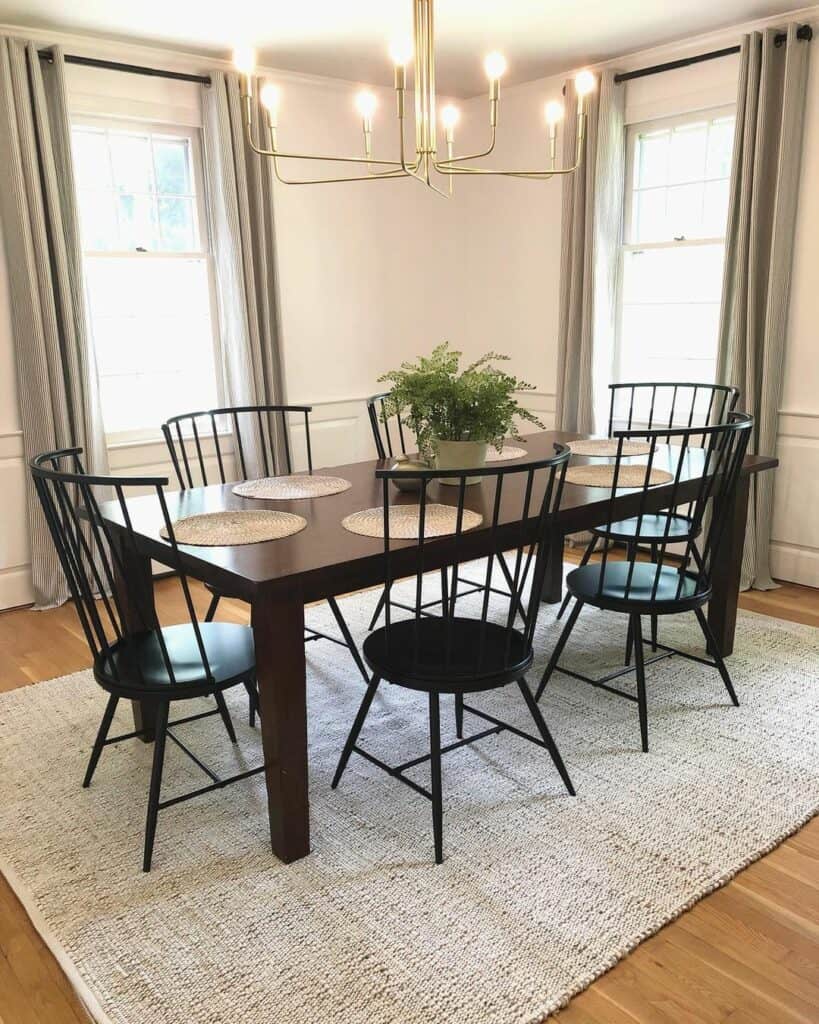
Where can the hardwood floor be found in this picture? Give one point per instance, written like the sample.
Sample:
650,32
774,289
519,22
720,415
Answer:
747,954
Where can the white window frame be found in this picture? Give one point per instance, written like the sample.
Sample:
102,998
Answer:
151,435
632,131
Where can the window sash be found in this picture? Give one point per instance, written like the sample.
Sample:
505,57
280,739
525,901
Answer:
167,131
151,434
627,245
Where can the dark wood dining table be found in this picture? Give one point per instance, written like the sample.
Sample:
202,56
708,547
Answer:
280,577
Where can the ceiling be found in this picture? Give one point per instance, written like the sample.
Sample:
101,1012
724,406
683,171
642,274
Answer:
348,38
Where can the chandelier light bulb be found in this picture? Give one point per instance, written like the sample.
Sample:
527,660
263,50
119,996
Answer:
584,83
270,96
244,58
554,111
366,103
401,52
494,65
450,116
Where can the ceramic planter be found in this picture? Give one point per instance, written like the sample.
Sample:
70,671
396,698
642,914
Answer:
460,455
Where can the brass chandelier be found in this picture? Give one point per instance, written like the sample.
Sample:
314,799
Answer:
425,163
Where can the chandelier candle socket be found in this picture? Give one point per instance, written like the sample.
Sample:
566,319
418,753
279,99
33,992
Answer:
425,165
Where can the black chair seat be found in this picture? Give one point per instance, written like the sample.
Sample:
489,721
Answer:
584,584
649,528
139,666
483,655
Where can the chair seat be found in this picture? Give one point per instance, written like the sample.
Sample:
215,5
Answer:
651,528
137,664
584,584
447,656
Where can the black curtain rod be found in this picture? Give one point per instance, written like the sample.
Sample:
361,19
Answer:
803,32
133,69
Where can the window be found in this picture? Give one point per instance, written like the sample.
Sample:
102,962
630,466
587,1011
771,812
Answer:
148,272
677,180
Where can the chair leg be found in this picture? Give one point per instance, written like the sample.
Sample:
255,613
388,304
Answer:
160,729
366,701
348,638
561,643
629,643
99,742
583,561
253,702
219,697
654,621
459,715
378,609
214,604
435,775
545,735
711,643
642,706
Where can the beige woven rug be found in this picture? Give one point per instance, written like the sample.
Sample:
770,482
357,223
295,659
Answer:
538,895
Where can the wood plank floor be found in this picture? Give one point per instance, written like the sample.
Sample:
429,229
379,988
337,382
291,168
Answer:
747,954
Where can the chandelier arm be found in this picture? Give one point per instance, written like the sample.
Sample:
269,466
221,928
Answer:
471,156
332,181
544,174
276,154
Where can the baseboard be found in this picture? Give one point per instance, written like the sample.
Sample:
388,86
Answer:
15,586
795,564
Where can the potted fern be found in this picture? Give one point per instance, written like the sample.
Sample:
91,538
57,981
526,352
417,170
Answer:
456,414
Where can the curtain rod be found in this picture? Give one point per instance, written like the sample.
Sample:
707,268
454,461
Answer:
134,69
803,32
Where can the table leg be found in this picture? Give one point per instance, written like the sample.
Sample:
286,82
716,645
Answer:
278,631
552,592
134,583
727,569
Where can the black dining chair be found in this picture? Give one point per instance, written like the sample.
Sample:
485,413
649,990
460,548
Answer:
142,661
669,584
392,436
652,406
239,443
473,645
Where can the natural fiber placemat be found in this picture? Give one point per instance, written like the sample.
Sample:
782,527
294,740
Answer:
283,488
603,476
439,520
506,454
604,446
251,526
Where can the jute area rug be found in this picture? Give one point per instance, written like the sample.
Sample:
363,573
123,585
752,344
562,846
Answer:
538,895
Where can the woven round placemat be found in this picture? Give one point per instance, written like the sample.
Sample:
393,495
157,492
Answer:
603,476
439,520
603,446
506,454
252,526
283,488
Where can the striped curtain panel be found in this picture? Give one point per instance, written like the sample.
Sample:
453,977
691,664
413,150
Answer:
758,257
240,208
591,235
56,373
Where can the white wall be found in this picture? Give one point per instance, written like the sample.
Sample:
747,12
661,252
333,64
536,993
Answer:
374,273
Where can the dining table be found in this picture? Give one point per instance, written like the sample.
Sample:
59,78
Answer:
279,578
